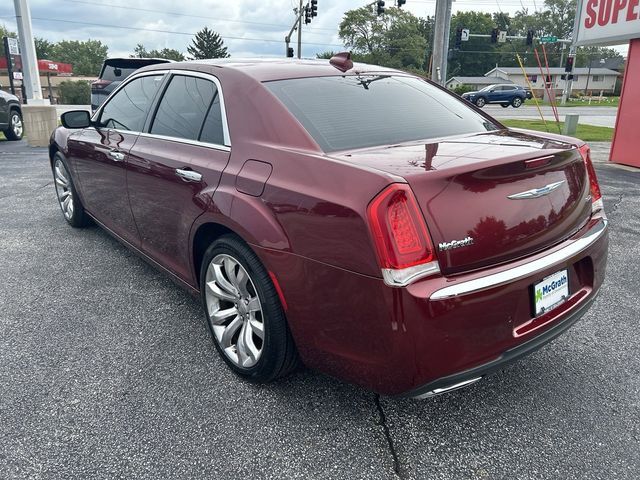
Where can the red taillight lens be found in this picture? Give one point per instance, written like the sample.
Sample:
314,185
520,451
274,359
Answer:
585,151
399,230
99,84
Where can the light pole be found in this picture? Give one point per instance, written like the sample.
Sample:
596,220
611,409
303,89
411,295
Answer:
30,72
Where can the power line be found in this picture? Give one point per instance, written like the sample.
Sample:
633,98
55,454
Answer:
155,30
151,10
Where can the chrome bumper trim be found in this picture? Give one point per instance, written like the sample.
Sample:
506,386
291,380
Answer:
516,273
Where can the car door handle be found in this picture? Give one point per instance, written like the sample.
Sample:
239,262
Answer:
117,156
188,175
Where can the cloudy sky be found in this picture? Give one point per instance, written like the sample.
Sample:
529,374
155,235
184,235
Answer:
249,27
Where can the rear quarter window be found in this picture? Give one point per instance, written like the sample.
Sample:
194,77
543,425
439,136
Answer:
344,113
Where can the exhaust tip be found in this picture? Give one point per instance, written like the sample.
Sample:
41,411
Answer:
449,388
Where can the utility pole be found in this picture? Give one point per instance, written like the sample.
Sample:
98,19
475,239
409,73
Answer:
441,41
30,72
568,84
300,31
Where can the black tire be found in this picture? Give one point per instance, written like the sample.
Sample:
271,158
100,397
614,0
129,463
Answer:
16,126
504,105
278,356
480,102
516,102
77,218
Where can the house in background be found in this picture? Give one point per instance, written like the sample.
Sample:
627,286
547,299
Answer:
476,83
594,80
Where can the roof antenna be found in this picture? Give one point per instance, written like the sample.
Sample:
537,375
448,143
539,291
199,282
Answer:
342,61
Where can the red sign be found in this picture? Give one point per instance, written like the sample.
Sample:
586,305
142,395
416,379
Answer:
44,66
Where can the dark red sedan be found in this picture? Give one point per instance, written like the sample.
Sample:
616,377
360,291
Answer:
356,218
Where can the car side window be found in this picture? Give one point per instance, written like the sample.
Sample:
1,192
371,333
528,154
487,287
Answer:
183,107
213,129
127,109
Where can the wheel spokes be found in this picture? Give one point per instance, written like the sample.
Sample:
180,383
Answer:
226,338
219,317
216,291
235,314
222,282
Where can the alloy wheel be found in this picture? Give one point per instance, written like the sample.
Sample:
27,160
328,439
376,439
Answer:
235,311
517,102
480,102
16,125
63,189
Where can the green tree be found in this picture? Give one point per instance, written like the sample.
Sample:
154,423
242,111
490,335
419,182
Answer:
75,92
44,48
396,39
169,53
207,44
86,57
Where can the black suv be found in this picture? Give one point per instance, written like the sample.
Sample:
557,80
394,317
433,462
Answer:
10,116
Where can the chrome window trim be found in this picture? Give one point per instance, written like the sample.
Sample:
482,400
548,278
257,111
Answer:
524,270
189,73
197,143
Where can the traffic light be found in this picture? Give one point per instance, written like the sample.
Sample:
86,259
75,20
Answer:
290,52
568,67
529,37
458,43
314,8
401,2
494,35
380,7
307,15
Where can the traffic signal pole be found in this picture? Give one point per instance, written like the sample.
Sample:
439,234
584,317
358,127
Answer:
300,31
568,85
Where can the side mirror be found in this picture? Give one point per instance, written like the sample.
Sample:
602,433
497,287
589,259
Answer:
76,119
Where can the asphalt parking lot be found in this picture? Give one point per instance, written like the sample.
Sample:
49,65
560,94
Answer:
107,371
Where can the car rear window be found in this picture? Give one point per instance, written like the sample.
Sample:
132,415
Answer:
121,68
344,113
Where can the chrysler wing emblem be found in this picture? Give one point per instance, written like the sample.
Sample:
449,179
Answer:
536,192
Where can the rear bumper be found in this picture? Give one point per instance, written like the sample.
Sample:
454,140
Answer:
472,375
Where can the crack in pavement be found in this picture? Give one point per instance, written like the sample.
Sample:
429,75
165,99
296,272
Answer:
615,206
382,421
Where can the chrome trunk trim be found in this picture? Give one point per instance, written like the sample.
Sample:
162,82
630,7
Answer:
556,258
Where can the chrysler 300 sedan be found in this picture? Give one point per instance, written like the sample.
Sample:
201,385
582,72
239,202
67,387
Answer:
357,219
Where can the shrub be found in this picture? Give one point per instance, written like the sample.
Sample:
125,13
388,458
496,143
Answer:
460,89
75,92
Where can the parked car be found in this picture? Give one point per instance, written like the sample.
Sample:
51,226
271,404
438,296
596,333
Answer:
113,72
357,218
504,94
10,116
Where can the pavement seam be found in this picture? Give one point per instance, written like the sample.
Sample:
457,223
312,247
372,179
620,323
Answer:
382,421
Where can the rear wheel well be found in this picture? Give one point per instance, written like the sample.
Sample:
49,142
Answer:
205,236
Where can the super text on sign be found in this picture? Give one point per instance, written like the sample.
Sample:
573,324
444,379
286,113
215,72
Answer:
609,22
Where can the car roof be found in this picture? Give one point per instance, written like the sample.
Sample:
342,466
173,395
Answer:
266,69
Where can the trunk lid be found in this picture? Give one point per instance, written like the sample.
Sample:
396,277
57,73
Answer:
490,198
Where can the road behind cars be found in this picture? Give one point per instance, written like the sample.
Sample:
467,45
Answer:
107,371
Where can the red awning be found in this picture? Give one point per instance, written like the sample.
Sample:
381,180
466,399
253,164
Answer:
44,66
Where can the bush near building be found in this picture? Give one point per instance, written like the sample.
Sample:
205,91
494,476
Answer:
75,92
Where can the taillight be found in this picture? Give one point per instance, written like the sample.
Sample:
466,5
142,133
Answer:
596,196
99,84
404,249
